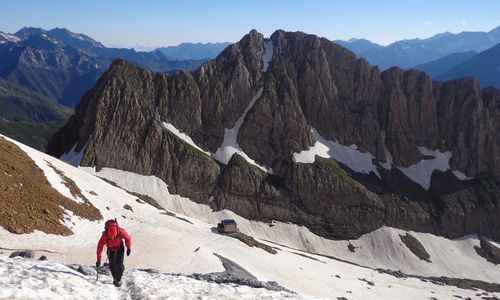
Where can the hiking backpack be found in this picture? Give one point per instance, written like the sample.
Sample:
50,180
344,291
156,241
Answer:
112,230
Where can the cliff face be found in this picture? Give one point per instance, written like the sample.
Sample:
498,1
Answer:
271,93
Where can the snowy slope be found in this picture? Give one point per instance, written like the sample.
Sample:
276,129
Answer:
169,244
28,279
379,249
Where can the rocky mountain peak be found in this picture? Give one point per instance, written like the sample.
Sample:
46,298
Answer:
398,148
76,40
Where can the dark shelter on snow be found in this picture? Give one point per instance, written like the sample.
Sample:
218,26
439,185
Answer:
227,226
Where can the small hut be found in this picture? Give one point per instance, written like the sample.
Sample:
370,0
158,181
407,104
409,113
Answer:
227,226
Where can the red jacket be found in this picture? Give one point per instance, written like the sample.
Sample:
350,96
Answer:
112,243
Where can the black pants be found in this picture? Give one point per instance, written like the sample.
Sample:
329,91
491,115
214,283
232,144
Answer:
116,263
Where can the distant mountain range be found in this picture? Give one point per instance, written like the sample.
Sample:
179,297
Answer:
439,66
62,65
194,51
485,67
444,56
409,53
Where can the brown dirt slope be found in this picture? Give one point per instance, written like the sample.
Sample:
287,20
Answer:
27,200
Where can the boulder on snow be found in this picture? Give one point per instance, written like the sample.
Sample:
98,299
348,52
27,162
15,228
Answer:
23,253
85,270
43,257
415,247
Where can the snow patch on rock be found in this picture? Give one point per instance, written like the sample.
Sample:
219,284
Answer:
230,145
268,55
461,175
388,157
349,155
183,136
72,157
421,172
9,37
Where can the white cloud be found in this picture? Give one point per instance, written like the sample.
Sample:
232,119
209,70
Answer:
462,22
427,23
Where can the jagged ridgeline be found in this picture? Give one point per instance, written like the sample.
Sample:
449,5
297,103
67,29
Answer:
392,147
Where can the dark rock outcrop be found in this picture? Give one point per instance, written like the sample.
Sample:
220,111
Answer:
415,247
487,250
85,270
310,83
23,253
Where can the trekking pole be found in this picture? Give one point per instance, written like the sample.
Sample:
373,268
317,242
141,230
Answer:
97,269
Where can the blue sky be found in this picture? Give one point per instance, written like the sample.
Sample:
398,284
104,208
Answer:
161,23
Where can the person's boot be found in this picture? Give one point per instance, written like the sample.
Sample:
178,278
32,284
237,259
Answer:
117,283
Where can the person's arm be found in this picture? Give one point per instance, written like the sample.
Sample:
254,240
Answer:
126,237
100,246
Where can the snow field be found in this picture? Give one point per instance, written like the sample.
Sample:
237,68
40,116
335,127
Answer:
30,279
381,248
169,244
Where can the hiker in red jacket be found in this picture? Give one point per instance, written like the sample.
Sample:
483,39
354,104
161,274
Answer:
112,236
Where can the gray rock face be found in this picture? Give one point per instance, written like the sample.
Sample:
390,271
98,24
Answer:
348,100
310,83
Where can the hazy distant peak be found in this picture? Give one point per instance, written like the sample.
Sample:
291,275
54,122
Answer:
495,33
202,44
26,32
74,39
194,50
64,35
358,45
